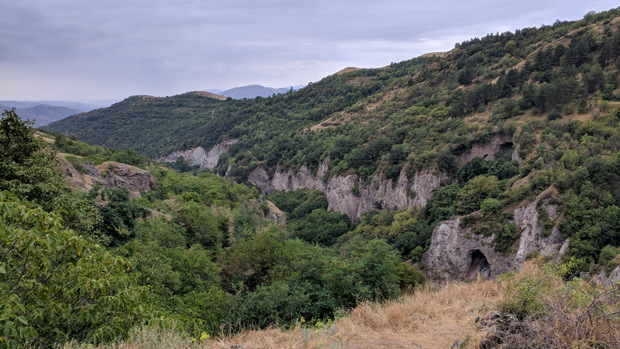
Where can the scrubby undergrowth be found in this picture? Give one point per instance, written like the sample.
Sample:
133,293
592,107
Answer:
535,306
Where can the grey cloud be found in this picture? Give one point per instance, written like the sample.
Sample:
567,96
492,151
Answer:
114,48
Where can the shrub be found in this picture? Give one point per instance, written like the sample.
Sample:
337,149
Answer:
554,115
56,286
409,276
607,255
490,207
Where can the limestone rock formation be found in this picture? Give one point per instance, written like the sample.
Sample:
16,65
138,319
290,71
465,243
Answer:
455,252
199,156
349,194
73,176
275,214
532,238
136,180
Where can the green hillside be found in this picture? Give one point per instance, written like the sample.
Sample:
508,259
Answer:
206,255
431,108
552,91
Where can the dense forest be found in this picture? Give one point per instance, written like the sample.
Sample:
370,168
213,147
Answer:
202,251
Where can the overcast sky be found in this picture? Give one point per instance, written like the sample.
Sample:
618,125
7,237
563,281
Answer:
81,50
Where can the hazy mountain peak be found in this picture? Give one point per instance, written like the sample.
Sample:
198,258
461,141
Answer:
253,91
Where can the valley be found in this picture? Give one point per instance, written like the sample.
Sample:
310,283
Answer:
463,199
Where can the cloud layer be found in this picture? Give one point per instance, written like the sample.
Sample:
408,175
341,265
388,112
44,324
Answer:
83,50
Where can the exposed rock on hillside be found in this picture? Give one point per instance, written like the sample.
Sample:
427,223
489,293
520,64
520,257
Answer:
501,144
348,194
76,179
273,213
198,156
457,253
110,174
130,177
532,238
608,280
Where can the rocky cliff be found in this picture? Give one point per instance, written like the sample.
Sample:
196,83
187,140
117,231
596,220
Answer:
199,156
109,174
122,175
455,252
349,194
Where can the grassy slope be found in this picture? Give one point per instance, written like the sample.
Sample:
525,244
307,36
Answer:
576,314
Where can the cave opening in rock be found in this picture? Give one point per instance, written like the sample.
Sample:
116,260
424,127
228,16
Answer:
505,151
478,263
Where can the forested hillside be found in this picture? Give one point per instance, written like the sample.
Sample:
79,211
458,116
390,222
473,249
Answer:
429,108
550,92
195,252
510,123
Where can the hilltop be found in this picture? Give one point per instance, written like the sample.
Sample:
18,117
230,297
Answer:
253,91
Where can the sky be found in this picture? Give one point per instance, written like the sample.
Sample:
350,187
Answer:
85,50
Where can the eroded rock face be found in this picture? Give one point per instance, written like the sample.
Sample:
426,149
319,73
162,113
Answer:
116,175
532,238
275,214
199,156
608,280
348,194
74,177
452,248
130,177
487,151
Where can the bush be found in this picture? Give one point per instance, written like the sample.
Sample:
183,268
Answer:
56,286
554,115
607,256
416,254
278,303
490,207
471,196
409,276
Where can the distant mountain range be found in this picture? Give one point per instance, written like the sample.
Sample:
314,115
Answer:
45,112
253,91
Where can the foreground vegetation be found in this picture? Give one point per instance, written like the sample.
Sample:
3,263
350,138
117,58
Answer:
535,306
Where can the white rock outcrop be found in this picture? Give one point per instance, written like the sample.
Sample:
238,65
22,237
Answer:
350,195
199,156
453,248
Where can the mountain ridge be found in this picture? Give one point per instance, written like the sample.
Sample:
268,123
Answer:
253,91
43,114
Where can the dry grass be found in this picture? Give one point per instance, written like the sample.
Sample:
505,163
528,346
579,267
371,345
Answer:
147,338
208,94
435,54
429,318
44,137
576,315
346,70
